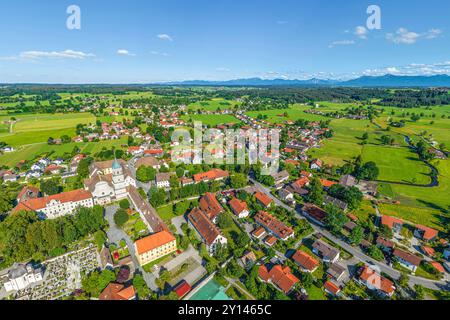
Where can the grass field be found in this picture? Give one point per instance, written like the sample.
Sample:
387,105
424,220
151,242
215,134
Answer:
211,120
213,105
295,112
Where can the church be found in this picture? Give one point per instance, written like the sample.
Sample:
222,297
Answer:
109,181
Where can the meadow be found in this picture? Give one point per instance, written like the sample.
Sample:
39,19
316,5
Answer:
211,120
213,105
294,113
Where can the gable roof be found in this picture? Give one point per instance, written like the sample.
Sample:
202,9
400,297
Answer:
263,198
204,226
377,281
428,233
210,175
408,257
390,221
315,212
153,241
238,206
117,291
40,203
325,250
273,224
182,289
280,276
210,206
332,287
305,260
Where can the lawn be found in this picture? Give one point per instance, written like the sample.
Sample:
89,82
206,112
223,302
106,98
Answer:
213,105
315,293
294,113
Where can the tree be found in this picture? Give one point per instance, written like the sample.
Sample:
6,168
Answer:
157,197
145,174
179,172
316,192
97,281
376,253
356,235
238,181
120,217
368,171
100,238
83,167
225,220
234,270
124,204
50,187
307,279
420,291
335,218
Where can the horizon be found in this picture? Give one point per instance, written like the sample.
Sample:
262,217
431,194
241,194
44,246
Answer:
160,42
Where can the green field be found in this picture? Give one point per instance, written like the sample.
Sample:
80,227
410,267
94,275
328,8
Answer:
213,105
295,112
211,120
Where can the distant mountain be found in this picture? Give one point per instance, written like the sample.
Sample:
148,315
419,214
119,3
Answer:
388,80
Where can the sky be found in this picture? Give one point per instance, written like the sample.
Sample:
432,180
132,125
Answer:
146,41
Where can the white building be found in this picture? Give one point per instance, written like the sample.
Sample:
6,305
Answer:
162,180
109,181
58,205
21,276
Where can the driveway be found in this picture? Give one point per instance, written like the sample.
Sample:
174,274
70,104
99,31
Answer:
115,235
177,222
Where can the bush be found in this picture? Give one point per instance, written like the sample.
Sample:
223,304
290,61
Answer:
124,204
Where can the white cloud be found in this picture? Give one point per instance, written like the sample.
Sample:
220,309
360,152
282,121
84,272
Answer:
157,53
125,52
165,37
361,32
404,36
66,54
341,43
223,69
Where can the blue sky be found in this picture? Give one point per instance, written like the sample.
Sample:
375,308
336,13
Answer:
144,41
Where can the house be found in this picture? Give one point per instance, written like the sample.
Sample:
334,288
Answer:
428,251
10,177
392,223
425,233
280,177
212,175
326,252
316,164
209,233
135,150
286,196
314,213
305,262
437,266
259,233
75,162
375,282
348,181
182,289
300,183
162,180
327,183
385,245
263,199
274,226
407,260
117,291
368,188
335,202
148,162
57,205
186,181
248,260
349,226
53,169
21,276
336,271
210,206
239,208
331,288
155,246
27,193
281,277
106,259
270,241
153,152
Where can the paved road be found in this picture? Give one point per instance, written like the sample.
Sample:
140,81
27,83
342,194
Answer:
115,235
357,253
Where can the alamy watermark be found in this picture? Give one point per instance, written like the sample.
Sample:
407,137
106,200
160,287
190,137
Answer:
229,146
73,22
374,20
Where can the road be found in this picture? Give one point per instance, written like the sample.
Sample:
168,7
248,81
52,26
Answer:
357,253
115,235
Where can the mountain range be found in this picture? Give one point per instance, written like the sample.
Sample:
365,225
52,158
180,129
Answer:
388,80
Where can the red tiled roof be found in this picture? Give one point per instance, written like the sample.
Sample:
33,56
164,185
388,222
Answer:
390,221
210,175
331,287
40,203
377,281
428,251
153,241
294,162
428,233
210,206
301,182
438,266
271,223
305,260
116,291
280,276
182,289
258,232
204,225
315,212
238,206
263,198
154,151
327,183
270,240
28,190
408,257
